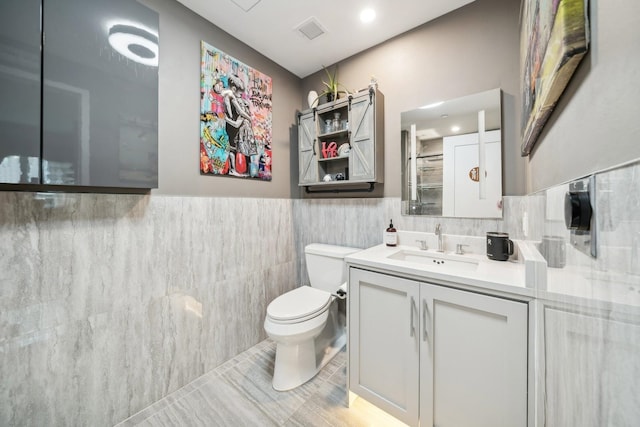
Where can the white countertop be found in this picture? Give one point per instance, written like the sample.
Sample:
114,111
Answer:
495,276
525,277
587,286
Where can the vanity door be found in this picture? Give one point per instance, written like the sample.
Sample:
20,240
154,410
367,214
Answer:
383,342
473,359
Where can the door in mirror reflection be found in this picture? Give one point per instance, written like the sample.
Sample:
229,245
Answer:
462,192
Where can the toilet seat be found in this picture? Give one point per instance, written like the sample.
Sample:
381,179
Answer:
298,305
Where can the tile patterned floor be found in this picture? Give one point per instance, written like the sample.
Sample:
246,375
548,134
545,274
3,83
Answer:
239,393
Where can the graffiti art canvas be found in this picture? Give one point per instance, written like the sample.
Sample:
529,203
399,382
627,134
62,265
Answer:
554,40
235,117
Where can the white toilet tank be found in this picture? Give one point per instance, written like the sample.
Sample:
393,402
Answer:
325,264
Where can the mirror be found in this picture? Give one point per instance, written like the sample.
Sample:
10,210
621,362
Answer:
452,158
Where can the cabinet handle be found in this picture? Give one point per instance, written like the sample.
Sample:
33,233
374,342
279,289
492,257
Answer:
425,311
412,326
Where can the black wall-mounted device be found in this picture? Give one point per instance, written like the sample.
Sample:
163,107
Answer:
580,215
577,210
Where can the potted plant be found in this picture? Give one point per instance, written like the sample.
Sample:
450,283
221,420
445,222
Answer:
332,86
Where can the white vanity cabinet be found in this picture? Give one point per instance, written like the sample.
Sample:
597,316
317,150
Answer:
437,356
592,371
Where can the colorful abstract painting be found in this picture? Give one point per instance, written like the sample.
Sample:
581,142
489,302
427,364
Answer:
235,117
554,39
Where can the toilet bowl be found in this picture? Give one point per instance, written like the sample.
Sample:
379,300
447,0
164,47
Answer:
295,334
305,322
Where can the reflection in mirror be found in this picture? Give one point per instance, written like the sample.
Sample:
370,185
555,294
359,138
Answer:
452,158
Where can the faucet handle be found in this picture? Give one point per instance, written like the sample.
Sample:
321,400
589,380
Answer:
423,244
459,249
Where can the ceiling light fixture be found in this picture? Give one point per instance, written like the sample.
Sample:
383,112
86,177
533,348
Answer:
367,15
455,129
135,43
434,105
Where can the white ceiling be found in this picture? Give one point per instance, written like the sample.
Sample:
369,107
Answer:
269,26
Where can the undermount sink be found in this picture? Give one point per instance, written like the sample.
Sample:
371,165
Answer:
440,260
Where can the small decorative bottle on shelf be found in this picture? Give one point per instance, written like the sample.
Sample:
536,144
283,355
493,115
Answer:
336,122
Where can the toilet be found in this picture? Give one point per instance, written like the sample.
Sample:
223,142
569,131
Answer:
305,322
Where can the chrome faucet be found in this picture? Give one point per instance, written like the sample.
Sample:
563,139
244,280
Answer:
439,234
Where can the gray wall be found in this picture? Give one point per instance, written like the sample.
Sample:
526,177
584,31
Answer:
179,128
597,121
469,50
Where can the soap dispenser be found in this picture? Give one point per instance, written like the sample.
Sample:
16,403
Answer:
391,235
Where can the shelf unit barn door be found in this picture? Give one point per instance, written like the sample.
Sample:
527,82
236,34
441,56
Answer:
308,161
361,123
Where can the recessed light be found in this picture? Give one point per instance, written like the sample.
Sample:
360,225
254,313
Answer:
455,128
367,15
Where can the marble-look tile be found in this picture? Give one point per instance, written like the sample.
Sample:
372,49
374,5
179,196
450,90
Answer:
361,222
345,222
522,217
617,229
213,404
328,406
111,302
618,219
590,347
242,395
253,379
455,226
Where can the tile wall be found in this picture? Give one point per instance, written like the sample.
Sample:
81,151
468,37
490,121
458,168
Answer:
110,302
588,322
361,222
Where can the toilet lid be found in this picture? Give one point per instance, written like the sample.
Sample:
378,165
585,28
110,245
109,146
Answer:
298,303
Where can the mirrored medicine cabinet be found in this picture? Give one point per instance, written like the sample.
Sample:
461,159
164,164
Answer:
452,157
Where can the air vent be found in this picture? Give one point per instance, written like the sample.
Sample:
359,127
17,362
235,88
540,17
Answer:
246,5
311,28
